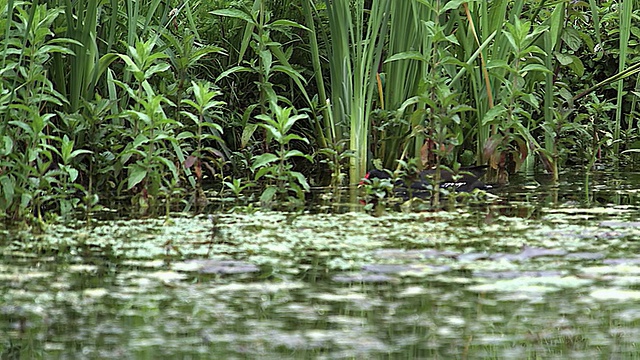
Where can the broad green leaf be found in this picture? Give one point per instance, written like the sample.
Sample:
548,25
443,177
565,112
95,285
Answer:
132,67
293,74
137,173
498,64
8,188
169,164
533,35
185,135
512,41
563,59
296,153
25,199
214,104
494,113
66,148
461,108
267,60
156,69
77,152
534,67
103,65
73,174
292,120
24,126
452,5
161,136
191,116
572,38
533,49
32,154
155,56
262,172
407,55
233,70
47,49
263,160
247,133
7,145
266,118
148,89
557,23
191,103
287,24
288,138
577,66
410,101
273,131
203,51
452,39
450,60
139,140
267,194
301,180
234,14
215,126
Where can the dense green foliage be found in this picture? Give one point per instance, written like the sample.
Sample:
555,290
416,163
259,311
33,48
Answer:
158,101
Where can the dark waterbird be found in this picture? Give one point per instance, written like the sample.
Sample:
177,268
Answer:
466,180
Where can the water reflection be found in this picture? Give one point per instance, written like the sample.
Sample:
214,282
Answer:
541,271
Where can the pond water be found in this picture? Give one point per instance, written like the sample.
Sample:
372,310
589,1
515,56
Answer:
538,271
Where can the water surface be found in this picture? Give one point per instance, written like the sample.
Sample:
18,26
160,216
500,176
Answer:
538,271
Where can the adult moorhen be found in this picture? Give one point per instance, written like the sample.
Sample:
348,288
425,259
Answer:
467,180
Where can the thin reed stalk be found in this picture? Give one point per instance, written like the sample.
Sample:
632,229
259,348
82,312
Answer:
626,12
357,40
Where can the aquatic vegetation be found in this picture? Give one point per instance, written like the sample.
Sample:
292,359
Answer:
466,282
115,104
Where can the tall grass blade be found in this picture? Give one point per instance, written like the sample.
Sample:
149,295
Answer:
357,40
626,12
325,136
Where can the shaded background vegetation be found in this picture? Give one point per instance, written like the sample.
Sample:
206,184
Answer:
162,100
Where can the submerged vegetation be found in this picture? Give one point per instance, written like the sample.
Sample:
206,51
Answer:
164,102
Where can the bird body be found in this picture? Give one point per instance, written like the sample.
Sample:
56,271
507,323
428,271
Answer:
466,180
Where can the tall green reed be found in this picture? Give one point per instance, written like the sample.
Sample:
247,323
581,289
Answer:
357,40
408,62
626,13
